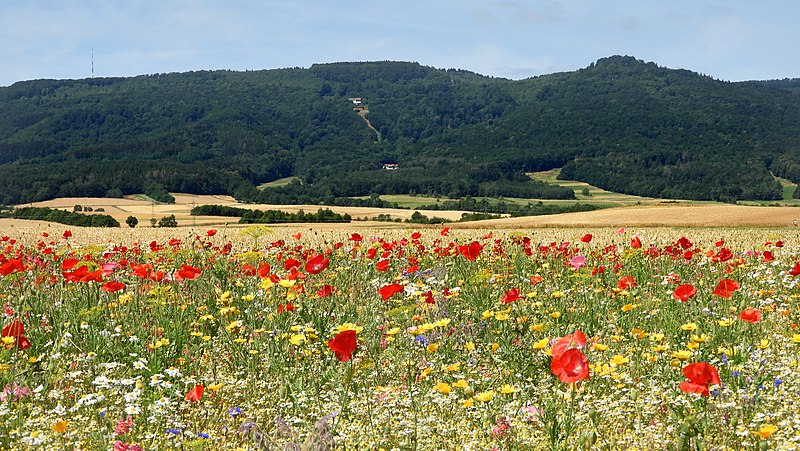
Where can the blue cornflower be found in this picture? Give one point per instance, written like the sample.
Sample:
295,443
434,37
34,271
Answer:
203,435
234,411
173,431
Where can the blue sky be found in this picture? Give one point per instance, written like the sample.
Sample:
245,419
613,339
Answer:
727,39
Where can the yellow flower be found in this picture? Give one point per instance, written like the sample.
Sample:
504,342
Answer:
618,360
248,297
60,426
487,314
661,348
541,344
468,402
494,346
461,383
691,327
348,326
454,367
485,396
639,334
796,338
234,326
538,327
656,337
600,347
443,387
442,322
507,389
501,316
297,339
432,347
629,307
286,283
726,322
766,430
470,346
424,373
393,331
764,344
683,354
556,315
214,387
693,345
8,341
266,284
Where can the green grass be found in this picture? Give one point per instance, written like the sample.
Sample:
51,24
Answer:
277,183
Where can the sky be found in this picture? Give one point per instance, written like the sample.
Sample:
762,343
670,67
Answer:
730,40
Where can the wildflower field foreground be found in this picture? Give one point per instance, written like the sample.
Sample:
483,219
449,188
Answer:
401,339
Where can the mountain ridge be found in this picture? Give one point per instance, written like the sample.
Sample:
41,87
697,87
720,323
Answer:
621,124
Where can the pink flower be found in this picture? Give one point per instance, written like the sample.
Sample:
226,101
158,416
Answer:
578,261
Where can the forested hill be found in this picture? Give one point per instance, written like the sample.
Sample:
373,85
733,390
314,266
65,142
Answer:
621,124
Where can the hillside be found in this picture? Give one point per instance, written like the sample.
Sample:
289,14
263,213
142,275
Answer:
620,124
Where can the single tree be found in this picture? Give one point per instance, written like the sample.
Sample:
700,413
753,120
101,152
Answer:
132,221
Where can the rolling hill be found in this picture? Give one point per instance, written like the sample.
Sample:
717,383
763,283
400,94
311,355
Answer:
620,124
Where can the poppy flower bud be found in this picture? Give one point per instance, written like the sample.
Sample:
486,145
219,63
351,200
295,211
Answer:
469,391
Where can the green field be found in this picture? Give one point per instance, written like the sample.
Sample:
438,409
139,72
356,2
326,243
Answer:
277,183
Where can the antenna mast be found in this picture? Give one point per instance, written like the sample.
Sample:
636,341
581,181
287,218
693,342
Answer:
92,62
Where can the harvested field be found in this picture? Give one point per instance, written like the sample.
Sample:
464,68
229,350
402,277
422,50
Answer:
692,215
143,210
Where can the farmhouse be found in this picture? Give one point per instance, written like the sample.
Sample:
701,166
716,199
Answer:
391,166
355,100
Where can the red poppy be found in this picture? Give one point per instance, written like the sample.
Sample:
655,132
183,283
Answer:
113,286
750,315
636,243
325,291
387,291
723,255
317,264
343,345
700,375
195,393
382,265
416,236
211,232
684,292
67,234
587,238
14,329
571,366
263,270
725,288
535,279
174,242
577,340
11,266
355,237
188,272
796,270
767,257
290,263
288,307
471,251
445,231
510,296
626,282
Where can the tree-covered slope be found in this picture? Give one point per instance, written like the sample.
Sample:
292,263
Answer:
620,124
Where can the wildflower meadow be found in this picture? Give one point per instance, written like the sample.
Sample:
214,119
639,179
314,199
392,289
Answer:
401,339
